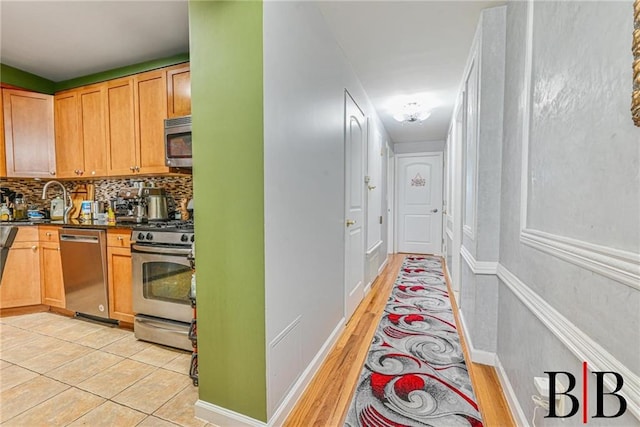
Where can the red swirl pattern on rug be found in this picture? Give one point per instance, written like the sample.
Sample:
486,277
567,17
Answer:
415,373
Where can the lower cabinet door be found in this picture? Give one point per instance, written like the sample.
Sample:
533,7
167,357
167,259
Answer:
20,284
51,275
120,294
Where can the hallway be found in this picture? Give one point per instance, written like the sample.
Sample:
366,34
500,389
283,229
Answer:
328,396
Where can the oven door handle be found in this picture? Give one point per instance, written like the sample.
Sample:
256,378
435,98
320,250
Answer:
160,250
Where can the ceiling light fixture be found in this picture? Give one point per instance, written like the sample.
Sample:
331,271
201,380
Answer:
412,112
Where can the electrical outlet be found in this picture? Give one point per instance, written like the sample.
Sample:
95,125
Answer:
542,386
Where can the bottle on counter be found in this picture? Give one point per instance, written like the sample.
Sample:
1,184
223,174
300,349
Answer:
5,212
57,208
111,216
19,207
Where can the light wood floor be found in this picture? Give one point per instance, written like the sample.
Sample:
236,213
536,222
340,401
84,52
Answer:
326,400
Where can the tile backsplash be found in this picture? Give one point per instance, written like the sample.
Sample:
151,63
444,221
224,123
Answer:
177,187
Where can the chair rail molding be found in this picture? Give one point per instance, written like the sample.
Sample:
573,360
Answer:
621,266
578,342
478,267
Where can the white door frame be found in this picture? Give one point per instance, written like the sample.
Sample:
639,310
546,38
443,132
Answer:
456,191
397,191
391,194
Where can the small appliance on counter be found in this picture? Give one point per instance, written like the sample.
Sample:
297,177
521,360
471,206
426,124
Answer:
131,205
156,202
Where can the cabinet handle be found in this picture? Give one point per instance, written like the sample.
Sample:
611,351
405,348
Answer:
137,168
48,233
93,172
132,168
34,248
52,172
58,248
120,238
81,172
75,171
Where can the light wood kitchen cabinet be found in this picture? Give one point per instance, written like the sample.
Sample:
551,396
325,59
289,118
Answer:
51,281
179,90
150,111
3,157
121,129
69,151
29,134
119,267
20,284
81,143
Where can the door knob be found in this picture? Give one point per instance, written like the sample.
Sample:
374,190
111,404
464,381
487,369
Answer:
434,210
350,222
371,187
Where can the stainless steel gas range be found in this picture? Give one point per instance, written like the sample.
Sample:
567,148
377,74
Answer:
162,282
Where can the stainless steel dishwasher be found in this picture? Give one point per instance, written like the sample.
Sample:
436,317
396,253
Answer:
83,253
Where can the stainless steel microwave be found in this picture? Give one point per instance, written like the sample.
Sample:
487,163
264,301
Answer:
177,142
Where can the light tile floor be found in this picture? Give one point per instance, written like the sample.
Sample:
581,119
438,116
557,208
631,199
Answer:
58,371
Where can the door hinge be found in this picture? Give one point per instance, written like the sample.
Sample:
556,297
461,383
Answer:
380,219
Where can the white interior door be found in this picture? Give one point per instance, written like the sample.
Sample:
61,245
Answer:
419,214
390,200
354,146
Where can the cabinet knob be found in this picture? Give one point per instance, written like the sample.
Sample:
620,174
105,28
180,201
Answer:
58,248
81,172
34,248
48,233
120,238
137,168
52,172
93,172
75,171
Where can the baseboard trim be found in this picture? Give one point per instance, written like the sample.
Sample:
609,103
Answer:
576,341
482,357
226,418
223,417
510,394
478,267
289,402
382,266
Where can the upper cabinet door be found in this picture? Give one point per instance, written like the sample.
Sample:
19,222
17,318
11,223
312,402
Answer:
94,130
69,151
3,157
179,90
29,134
151,110
121,127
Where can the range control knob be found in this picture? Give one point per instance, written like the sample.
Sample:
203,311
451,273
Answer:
192,237
184,238
149,236
140,236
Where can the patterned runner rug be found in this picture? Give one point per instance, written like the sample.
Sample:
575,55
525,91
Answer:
415,374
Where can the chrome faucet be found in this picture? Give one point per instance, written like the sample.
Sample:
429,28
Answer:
67,207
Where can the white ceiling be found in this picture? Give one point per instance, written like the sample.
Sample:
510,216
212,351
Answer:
403,48
397,48
61,40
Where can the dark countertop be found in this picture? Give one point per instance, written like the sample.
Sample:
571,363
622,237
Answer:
74,223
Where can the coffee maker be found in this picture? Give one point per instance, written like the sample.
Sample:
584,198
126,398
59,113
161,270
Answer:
131,205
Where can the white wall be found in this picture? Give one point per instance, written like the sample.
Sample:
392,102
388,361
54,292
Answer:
305,75
582,180
418,147
482,148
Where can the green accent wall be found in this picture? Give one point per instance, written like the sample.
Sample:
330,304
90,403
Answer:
25,80
121,72
228,184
